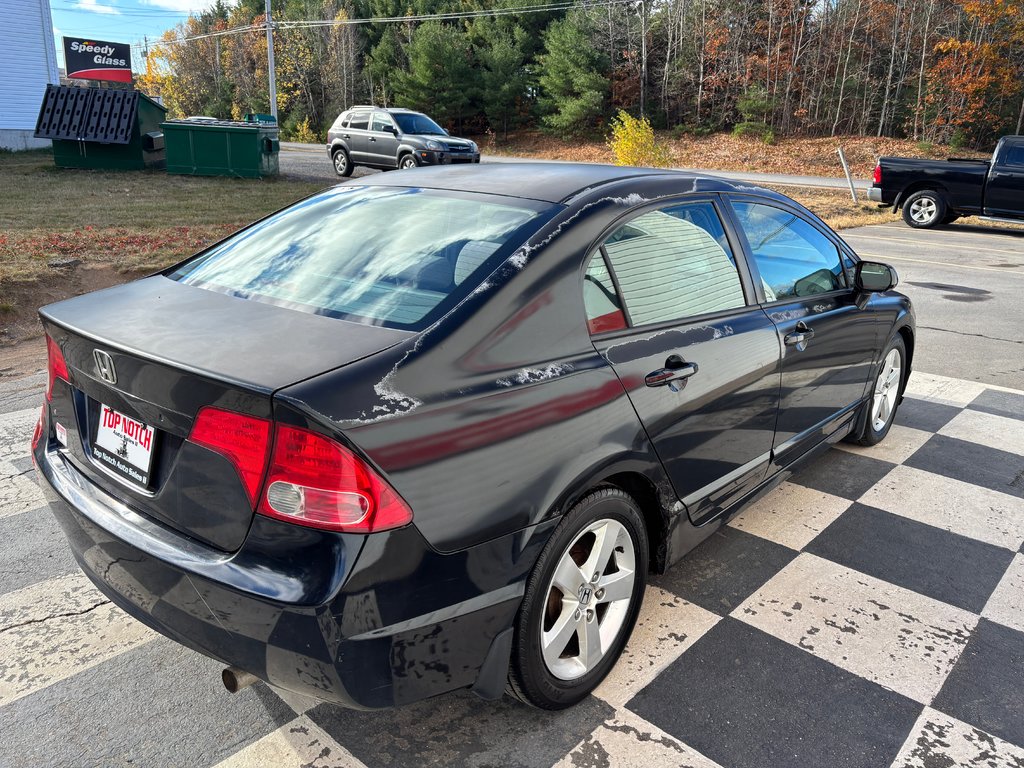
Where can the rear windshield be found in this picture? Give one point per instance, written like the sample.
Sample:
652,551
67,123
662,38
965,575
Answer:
396,257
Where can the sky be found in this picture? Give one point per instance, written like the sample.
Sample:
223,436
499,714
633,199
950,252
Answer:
118,21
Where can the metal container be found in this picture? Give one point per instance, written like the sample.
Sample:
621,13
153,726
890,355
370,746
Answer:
221,148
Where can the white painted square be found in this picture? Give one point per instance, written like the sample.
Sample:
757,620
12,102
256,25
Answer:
940,740
892,636
298,744
899,445
988,429
18,491
942,389
1006,605
667,626
791,515
629,741
952,505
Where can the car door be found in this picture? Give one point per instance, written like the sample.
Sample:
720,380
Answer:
357,132
673,313
381,142
828,332
1004,191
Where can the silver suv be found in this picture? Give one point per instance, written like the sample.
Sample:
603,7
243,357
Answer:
386,138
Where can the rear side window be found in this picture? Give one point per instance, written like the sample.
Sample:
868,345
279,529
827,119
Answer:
673,264
395,257
604,309
359,120
794,258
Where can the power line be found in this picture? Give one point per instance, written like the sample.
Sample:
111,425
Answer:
559,5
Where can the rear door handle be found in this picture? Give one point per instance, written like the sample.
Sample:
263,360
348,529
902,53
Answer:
675,370
801,335
345,136
372,138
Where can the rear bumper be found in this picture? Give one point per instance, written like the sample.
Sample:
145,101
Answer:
875,194
361,621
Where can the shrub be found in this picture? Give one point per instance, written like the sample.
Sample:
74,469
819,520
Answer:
632,142
761,131
925,146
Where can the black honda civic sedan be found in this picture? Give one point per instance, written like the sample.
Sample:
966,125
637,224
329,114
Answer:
433,430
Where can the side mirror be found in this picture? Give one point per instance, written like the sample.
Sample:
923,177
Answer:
394,130
874,277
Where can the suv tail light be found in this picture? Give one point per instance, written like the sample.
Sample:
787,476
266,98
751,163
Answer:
878,174
312,480
316,481
56,366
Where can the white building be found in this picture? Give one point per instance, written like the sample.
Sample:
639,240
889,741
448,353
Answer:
28,61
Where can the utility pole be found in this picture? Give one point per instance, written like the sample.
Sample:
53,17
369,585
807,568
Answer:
270,63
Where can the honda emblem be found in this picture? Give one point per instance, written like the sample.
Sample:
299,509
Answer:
105,366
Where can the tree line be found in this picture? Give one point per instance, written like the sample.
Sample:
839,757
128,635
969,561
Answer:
948,71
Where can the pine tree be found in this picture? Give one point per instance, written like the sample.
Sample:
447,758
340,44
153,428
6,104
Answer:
573,78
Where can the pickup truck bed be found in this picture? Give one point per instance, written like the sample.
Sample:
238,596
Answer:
935,192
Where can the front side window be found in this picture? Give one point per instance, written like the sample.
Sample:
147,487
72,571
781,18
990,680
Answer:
339,253
382,122
674,263
794,257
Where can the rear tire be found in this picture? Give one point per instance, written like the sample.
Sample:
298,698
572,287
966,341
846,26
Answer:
581,602
342,163
924,209
885,394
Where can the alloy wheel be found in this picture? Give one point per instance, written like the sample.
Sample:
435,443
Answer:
340,163
588,599
887,389
408,162
923,210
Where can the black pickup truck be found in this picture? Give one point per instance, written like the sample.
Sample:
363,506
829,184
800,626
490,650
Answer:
933,192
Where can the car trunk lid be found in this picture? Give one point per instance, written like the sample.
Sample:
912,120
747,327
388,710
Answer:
145,358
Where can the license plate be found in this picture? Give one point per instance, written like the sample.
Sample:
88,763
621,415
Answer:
124,445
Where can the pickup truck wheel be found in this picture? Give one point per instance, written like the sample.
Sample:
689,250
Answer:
342,163
924,209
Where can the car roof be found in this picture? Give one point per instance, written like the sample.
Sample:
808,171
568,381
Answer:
547,182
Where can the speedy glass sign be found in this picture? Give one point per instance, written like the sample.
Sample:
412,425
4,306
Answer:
86,58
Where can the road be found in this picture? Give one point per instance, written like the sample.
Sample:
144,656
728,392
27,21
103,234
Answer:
310,162
867,613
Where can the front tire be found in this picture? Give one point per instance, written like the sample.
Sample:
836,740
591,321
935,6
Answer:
342,163
885,394
408,161
581,602
924,209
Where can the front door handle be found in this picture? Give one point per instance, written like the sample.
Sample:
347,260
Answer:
372,138
675,369
345,136
801,335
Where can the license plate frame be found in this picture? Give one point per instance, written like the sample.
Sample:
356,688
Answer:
124,446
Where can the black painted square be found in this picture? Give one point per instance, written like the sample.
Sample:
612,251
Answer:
725,570
1009,404
460,729
986,687
954,569
744,698
924,414
972,463
841,473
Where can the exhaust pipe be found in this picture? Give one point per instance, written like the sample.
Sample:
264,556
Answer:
236,679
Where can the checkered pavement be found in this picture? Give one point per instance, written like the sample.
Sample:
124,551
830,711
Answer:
867,612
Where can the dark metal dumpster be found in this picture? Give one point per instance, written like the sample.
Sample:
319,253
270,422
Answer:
101,128
221,148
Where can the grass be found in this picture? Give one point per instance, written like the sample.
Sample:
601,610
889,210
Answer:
129,220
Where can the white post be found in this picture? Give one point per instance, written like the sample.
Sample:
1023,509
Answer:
846,170
270,63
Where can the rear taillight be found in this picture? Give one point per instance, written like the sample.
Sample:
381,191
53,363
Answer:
37,433
244,440
315,481
878,174
57,367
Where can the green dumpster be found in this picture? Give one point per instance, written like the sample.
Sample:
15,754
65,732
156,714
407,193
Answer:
221,148
109,128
